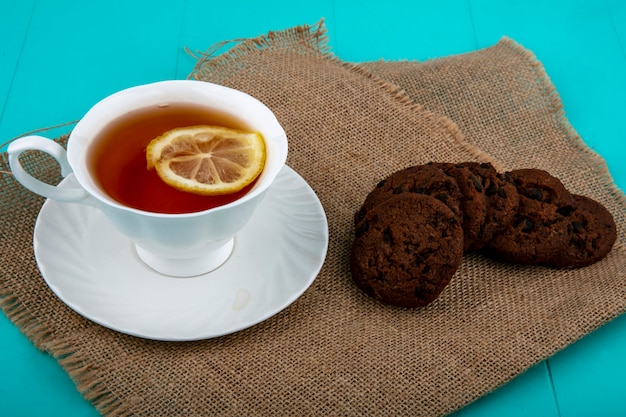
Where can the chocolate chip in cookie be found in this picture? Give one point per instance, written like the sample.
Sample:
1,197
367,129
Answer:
539,185
473,202
591,233
407,249
418,179
502,201
538,233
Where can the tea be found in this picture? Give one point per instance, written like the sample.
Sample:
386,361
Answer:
118,159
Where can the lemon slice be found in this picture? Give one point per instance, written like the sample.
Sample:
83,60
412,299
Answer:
207,160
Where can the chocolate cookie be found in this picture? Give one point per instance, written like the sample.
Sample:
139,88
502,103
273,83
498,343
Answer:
419,179
502,201
540,185
591,232
407,249
473,202
537,235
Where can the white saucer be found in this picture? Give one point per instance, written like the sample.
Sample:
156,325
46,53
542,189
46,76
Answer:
95,270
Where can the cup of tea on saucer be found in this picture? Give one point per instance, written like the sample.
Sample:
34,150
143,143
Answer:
179,225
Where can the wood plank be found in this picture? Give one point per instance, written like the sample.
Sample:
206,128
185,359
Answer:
424,31
616,9
15,22
588,376
537,399
201,30
32,383
75,55
369,31
576,42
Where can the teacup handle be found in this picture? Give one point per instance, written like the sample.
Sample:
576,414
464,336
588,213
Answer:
57,152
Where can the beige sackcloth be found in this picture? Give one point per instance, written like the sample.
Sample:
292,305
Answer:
335,351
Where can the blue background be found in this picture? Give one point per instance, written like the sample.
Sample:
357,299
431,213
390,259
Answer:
57,58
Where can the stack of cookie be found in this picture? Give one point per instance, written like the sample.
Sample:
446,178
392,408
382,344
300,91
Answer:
414,227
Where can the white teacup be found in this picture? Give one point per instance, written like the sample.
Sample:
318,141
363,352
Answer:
173,244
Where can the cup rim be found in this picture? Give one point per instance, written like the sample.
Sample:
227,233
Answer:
175,91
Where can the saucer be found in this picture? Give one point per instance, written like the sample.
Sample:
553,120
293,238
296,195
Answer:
95,270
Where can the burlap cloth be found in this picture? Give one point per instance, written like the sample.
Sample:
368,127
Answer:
335,351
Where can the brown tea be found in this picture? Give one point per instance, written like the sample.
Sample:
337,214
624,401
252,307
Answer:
118,159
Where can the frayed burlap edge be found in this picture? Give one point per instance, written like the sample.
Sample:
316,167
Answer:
314,41
607,184
596,161
222,62
76,364
89,382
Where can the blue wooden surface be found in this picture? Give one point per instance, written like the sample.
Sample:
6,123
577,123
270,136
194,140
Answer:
59,57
